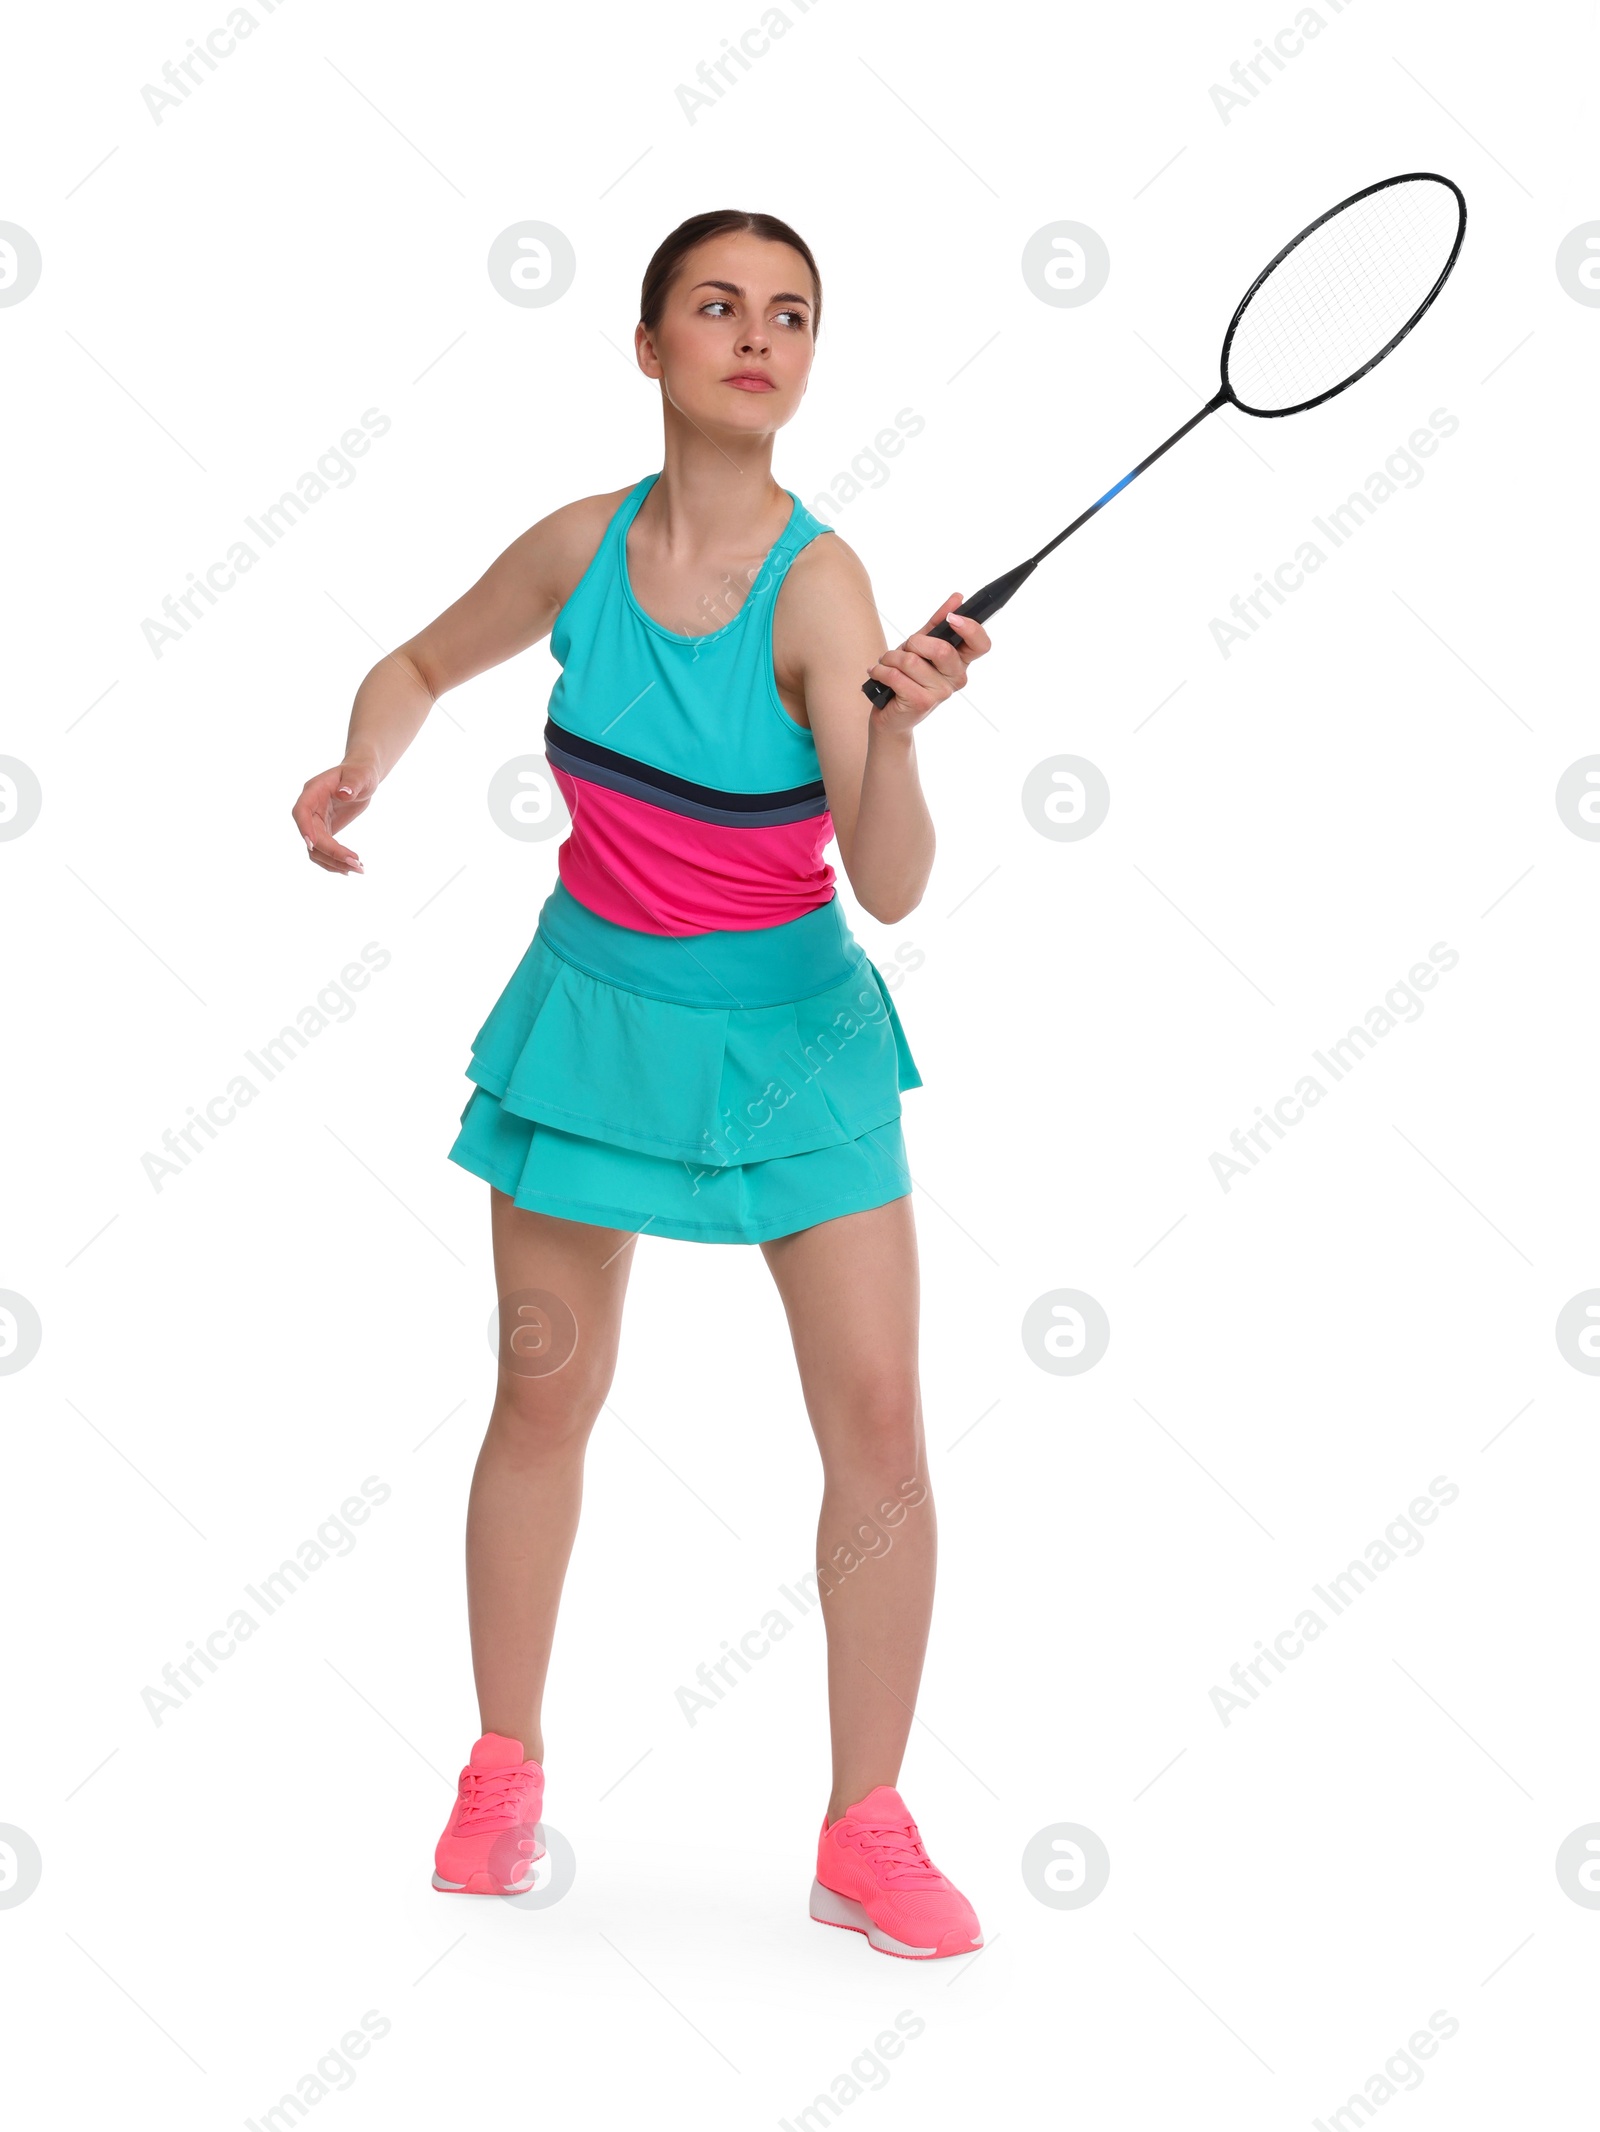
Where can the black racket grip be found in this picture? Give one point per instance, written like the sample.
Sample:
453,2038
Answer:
983,603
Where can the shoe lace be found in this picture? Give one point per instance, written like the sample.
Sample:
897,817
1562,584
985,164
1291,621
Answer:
896,1848
490,1794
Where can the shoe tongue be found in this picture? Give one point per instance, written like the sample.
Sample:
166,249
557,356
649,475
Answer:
882,1803
496,1751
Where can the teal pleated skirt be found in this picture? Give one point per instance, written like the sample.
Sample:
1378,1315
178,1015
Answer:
720,1088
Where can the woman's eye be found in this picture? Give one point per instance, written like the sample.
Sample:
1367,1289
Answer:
796,318
717,303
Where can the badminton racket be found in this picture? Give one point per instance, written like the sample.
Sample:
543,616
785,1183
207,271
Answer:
1335,301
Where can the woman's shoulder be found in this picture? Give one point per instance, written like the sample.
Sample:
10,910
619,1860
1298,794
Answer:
822,570
586,511
568,538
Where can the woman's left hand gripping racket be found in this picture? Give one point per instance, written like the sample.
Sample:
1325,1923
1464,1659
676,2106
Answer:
1335,301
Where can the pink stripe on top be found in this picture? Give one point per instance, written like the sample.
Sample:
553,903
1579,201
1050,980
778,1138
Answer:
663,872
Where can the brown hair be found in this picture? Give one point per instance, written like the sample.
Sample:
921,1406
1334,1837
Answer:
672,251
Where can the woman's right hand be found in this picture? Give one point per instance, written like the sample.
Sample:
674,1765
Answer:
327,804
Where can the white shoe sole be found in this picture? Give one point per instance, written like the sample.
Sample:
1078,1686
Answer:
831,1909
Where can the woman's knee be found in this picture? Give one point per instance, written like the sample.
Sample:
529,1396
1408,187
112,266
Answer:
534,1414
879,1437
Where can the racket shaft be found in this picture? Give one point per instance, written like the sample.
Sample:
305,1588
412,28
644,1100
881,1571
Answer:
1100,502
994,595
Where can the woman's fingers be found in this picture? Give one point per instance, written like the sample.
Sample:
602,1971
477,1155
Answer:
914,680
325,847
904,692
332,856
941,613
943,655
974,637
312,814
926,669
928,662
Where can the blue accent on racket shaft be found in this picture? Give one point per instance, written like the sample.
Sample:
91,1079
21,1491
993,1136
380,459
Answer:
1117,491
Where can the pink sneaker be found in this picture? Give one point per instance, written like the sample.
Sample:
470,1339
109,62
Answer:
493,1842
874,1876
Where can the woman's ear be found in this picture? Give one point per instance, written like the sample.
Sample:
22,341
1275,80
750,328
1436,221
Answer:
644,349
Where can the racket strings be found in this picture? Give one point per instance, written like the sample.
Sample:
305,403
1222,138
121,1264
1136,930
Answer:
1338,299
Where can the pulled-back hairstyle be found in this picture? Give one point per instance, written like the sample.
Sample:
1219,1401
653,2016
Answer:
672,251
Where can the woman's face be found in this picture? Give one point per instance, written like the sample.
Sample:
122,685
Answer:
733,345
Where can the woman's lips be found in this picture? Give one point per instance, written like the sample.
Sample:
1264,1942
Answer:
749,381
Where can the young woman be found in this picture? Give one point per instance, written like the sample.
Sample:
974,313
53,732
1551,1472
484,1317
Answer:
694,1045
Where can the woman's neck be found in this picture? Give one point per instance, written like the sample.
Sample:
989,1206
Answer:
715,493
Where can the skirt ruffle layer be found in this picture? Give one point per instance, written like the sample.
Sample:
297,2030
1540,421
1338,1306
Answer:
643,1104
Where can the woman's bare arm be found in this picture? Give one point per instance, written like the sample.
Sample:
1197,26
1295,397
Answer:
513,605
826,639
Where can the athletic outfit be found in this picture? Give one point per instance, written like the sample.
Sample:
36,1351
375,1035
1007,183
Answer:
694,1044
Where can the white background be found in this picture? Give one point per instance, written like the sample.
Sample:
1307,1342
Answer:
1291,1362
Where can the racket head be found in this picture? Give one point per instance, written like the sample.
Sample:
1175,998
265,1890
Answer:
1342,294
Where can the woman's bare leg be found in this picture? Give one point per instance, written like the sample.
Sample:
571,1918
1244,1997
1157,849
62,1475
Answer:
555,1280
851,1291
